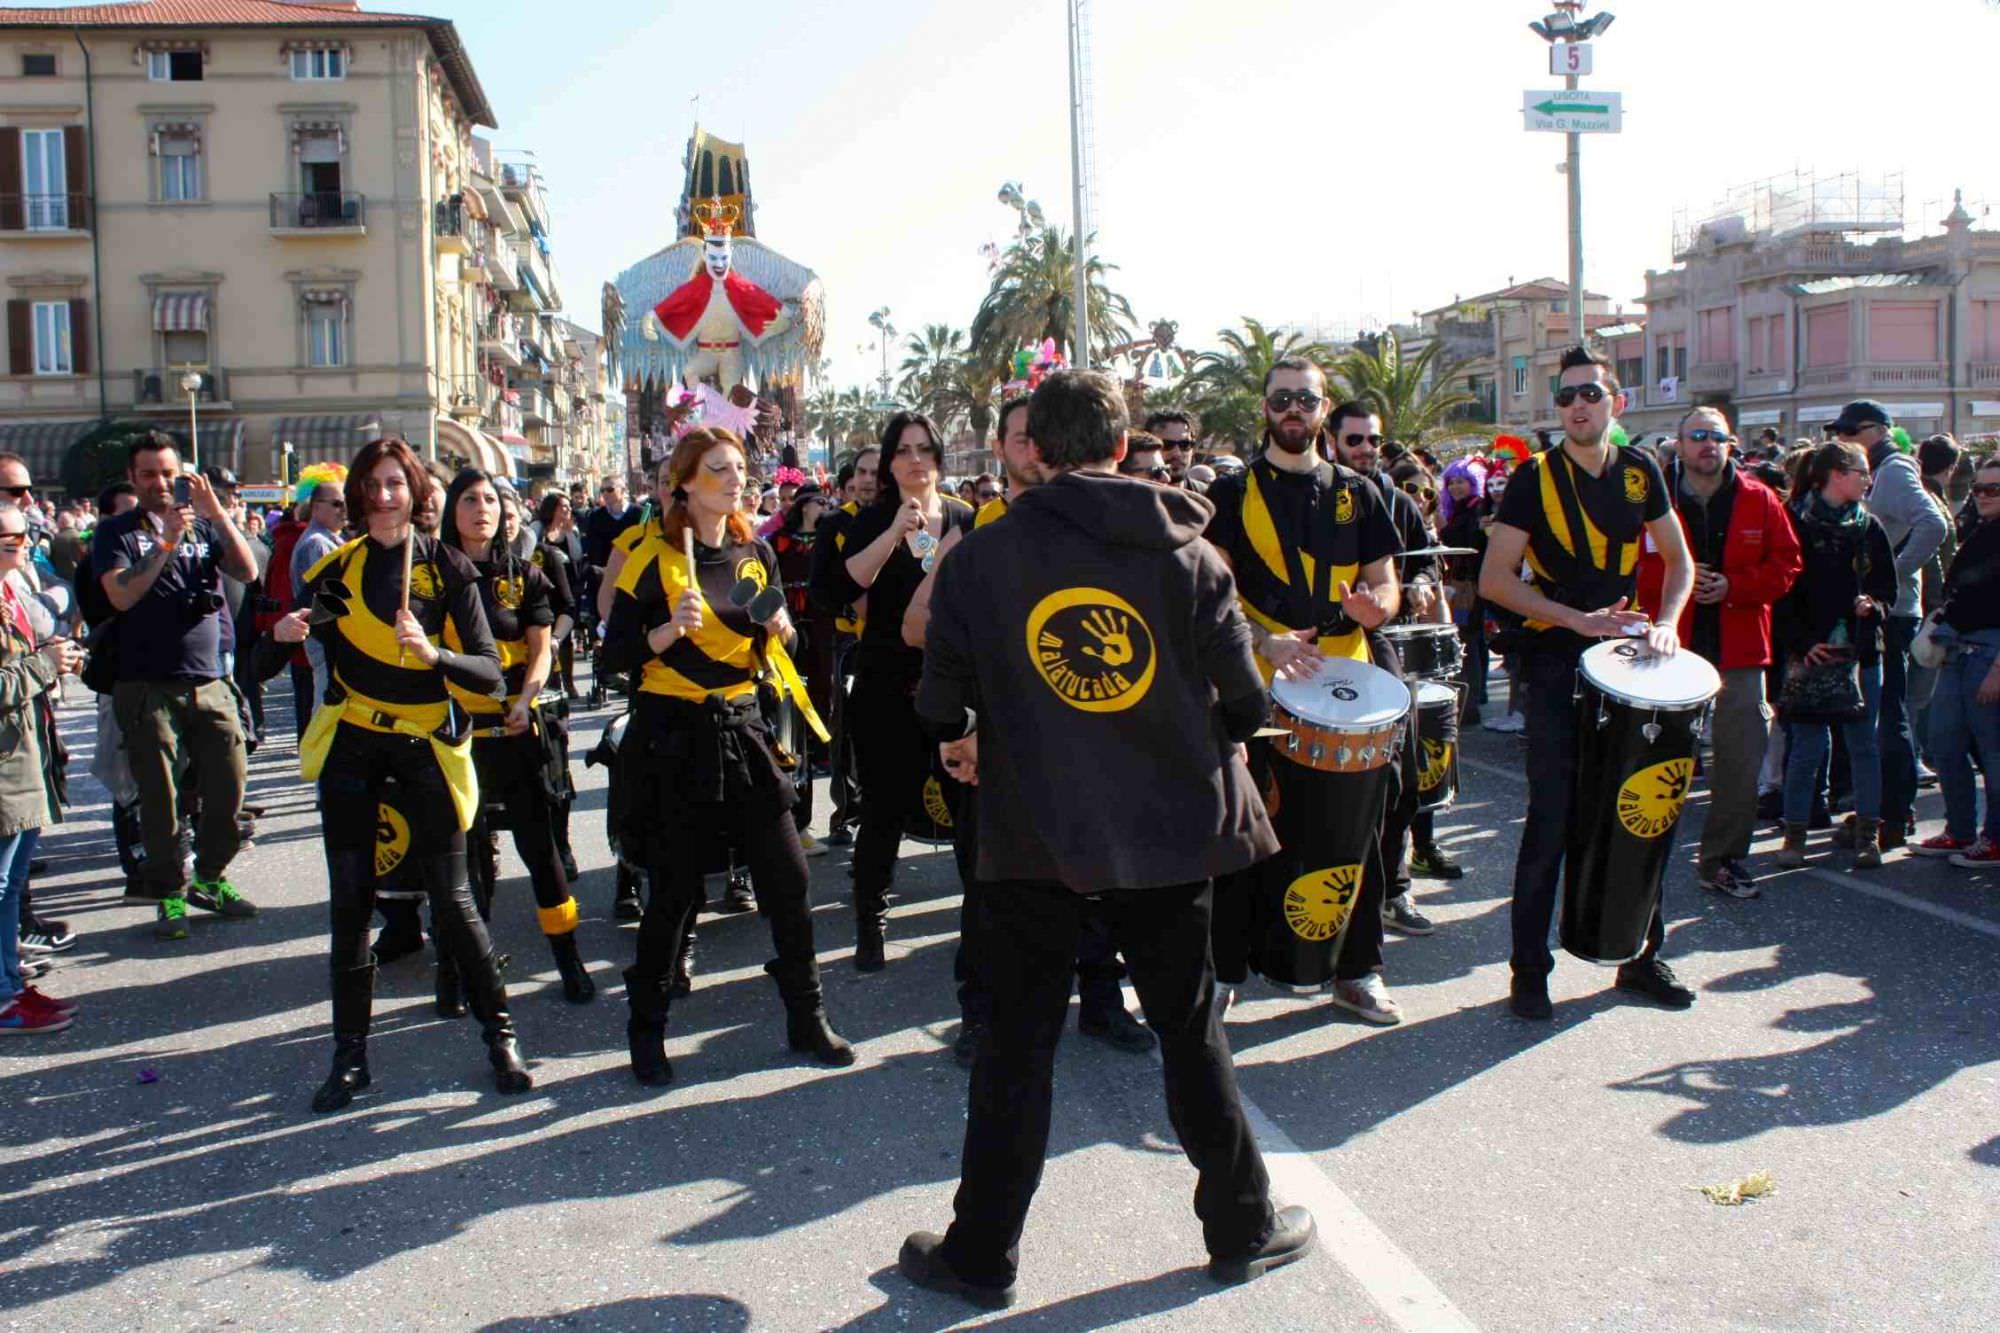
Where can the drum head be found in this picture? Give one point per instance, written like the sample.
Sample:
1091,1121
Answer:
1627,671
1346,695
1432,693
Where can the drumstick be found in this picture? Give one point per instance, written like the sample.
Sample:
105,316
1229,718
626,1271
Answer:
409,551
687,548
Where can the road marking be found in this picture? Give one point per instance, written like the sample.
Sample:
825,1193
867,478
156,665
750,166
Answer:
1879,892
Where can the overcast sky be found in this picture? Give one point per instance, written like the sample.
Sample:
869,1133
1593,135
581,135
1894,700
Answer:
1295,160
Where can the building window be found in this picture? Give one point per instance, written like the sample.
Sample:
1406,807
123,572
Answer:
1827,335
174,66
1717,327
44,173
1777,356
180,166
37,66
326,330
1754,337
1903,332
319,64
1520,376
1632,369
52,340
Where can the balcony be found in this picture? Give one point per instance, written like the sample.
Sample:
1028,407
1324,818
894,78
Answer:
502,270
1713,377
323,212
1821,256
522,183
453,227
500,339
1985,373
51,215
535,271
158,388
536,410
1874,377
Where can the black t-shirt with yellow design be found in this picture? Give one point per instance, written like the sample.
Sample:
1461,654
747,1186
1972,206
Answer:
1612,508
718,659
1293,538
514,595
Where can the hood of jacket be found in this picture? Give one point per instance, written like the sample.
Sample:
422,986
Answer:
1125,511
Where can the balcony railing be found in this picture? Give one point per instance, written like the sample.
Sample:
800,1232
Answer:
1985,372
160,386
1713,376
1874,376
449,219
321,210
45,212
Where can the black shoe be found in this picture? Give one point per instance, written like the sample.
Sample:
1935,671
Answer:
806,1029
1434,863
1117,1029
349,1076
646,1030
1530,1000
1400,915
394,945
1656,981
1292,1233
737,897
921,1263
41,935
680,983
450,1001
626,906
869,954
577,986
966,1049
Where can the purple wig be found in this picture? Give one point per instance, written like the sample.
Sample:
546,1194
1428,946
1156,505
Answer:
1473,469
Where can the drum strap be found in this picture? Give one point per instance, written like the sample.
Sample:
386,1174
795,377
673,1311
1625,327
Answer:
1321,609
1572,507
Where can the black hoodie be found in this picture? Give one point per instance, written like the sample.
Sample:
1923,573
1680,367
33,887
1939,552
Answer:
1096,635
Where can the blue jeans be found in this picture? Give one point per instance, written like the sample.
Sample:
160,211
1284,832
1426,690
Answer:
1810,742
1961,727
14,854
1892,729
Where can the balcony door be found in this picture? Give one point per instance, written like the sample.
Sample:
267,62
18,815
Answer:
319,180
46,179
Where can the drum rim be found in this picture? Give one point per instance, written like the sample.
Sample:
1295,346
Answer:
1369,722
1665,706
1412,628
1447,693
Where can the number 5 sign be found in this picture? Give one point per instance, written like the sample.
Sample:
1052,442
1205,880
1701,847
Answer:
1567,58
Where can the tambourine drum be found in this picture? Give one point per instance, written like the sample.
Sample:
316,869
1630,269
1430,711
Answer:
1429,652
1638,716
1326,785
1436,754
932,816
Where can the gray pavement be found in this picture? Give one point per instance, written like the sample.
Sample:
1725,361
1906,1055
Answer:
1470,1171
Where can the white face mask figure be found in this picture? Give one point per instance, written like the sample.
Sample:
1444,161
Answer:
717,254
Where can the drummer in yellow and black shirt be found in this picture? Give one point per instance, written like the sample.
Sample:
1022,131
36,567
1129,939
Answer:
1582,591
699,754
388,716
1312,547
519,752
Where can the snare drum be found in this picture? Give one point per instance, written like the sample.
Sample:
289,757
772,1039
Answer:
1429,652
1325,789
932,818
1436,754
1638,716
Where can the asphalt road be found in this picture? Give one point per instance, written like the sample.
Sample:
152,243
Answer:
1468,1170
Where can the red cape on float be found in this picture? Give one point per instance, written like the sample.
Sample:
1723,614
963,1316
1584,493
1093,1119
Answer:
683,307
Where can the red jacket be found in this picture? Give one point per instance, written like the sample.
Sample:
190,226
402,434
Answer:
1760,558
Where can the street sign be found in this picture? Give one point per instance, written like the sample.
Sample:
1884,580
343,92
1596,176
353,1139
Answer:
1574,112
262,495
1569,58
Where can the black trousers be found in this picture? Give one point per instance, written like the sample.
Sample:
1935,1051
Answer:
1552,761
1033,930
841,787
512,777
893,756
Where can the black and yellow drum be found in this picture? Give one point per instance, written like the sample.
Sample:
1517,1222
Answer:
1329,776
1436,754
932,814
1638,718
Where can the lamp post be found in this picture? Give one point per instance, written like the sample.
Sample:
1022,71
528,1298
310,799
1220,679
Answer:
191,386
1564,27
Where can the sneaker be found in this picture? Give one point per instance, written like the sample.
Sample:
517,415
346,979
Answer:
1434,863
1940,844
811,846
738,897
42,936
1367,998
1401,915
1721,878
1984,855
921,1263
29,995
1656,981
170,919
1292,1232
18,1019
1927,777
221,897
1739,870
38,966
1118,1030
1510,724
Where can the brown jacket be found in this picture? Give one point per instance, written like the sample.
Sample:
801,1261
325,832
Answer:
26,801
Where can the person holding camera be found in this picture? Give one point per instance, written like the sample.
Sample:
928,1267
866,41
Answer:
161,568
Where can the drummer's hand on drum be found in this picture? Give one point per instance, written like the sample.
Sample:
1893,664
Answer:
1613,622
1294,654
1361,606
1419,595
1663,639
961,758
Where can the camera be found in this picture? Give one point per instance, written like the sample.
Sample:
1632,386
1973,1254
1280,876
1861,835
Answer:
183,492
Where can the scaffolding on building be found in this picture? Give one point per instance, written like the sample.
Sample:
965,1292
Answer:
1795,203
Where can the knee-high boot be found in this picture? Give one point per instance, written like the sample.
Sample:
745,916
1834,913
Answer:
871,914
450,995
578,988
646,1029
353,1003
486,996
806,1026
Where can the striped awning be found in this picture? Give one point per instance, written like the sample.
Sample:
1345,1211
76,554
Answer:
475,446
180,312
42,444
329,439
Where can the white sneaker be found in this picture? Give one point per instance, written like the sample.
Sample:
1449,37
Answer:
811,846
1369,999
1510,723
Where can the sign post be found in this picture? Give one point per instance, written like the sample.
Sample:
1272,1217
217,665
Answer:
1572,114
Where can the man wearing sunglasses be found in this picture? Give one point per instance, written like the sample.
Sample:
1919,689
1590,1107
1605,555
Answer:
1174,430
1310,509
1578,595
1746,556
1915,527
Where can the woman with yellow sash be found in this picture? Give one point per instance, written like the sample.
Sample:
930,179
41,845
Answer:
516,749
379,606
699,756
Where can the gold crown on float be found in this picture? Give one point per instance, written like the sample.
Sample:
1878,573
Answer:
717,219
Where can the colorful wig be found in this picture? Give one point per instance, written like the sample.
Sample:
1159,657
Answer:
1473,468
316,475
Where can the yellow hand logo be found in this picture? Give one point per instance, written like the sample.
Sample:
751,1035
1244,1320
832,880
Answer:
1114,631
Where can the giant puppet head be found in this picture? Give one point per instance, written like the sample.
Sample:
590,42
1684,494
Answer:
717,255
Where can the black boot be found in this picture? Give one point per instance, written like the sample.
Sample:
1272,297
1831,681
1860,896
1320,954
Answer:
681,983
450,995
486,995
806,1028
353,999
646,1029
871,912
625,906
578,988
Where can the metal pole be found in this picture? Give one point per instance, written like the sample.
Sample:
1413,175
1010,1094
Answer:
1574,171
1079,355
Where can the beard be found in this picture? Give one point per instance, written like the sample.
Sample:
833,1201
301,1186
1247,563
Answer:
1293,436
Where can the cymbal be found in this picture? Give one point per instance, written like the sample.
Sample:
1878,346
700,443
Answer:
1436,550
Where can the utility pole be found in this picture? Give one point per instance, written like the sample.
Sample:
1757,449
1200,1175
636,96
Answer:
1573,115
1573,170
1079,89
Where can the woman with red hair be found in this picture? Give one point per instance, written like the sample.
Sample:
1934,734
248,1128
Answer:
699,757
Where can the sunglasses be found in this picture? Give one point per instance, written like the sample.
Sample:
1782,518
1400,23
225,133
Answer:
13,539
1423,492
1702,435
1986,490
1590,393
16,491
1284,398
1356,441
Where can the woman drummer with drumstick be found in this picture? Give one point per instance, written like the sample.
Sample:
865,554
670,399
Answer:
698,753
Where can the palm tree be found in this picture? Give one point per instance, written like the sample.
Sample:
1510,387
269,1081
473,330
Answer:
1033,297
1414,396
1226,388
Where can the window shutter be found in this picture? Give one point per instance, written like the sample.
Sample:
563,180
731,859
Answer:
20,334
79,337
12,215
76,165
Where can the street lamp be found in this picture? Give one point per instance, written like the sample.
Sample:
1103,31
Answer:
191,386
1564,25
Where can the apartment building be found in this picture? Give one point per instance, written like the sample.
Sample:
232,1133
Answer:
276,209
1507,344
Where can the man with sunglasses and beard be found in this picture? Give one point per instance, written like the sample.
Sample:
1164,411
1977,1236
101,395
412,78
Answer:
1320,515
1578,596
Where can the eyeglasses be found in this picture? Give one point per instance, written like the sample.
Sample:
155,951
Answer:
1702,435
1986,490
16,491
1283,399
1422,492
1357,440
13,539
1590,393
